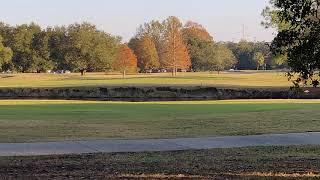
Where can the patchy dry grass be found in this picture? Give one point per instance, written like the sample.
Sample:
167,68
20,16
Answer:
301,162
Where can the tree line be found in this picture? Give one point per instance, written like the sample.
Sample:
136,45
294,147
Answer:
169,45
78,47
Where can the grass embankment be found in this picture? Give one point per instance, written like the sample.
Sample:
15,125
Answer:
246,79
301,162
25,121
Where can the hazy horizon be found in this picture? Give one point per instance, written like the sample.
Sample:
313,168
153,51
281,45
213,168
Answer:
224,20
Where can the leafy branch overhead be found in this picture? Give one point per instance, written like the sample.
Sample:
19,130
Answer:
299,40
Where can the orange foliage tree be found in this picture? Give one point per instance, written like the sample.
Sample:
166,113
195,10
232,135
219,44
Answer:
146,52
199,43
174,51
196,30
125,60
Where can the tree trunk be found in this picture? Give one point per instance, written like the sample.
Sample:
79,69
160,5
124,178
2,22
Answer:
123,73
174,54
83,72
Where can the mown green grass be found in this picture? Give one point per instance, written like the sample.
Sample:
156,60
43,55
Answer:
25,121
244,79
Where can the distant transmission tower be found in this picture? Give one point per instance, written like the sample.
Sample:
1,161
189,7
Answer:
243,33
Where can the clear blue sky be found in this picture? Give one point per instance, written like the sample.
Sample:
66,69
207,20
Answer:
223,18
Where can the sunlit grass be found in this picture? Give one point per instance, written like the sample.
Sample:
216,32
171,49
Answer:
244,79
25,121
77,102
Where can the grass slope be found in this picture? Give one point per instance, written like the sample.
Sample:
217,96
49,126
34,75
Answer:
24,121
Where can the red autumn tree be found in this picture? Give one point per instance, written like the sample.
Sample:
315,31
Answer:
174,51
125,60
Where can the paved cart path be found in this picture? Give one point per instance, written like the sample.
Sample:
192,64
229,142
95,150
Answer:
110,146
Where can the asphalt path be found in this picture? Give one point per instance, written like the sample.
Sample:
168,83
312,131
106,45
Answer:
146,145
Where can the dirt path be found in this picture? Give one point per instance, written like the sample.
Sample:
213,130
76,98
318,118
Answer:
111,146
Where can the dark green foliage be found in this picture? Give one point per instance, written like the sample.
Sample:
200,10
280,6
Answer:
200,46
25,57
57,43
29,44
300,39
209,56
245,51
89,49
41,53
5,53
80,47
198,50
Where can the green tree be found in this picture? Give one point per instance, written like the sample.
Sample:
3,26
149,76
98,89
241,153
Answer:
89,49
199,53
259,59
58,43
279,60
193,30
5,53
222,59
6,33
30,47
217,57
198,41
40,53
80,47
244,52
300,40
155,30
272,18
